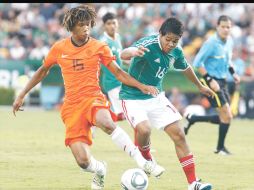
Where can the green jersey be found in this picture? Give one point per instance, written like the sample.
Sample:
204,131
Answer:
151,68
107,80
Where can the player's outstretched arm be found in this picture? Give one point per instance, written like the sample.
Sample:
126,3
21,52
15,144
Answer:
36,78
125,78
131,52
189,73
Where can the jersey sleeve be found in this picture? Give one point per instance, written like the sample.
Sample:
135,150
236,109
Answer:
103,39
145,44
181,63
106,55
140,42
51,58
135,44
202,55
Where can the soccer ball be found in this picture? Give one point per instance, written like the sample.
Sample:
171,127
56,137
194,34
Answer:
134,179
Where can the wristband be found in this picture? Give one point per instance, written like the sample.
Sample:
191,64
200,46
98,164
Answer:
231,70
207,78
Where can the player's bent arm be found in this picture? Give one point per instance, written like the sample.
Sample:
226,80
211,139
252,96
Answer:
126,62
131,52
128,53
38,76
126,79
189,73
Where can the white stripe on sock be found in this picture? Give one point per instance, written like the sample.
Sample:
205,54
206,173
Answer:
187,162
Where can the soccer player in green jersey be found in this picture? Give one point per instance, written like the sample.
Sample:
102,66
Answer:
109,83
152,56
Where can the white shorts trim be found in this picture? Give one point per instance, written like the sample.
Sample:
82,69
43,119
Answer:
113,96
159,111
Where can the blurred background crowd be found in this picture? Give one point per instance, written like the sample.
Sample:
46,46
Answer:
28,30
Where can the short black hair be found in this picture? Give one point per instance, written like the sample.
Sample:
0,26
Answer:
172,25
223,18
108,16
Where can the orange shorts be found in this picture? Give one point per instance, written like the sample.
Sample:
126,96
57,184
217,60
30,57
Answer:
78,118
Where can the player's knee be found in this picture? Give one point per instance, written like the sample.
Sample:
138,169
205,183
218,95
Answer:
83,162
230,116
226,117
144,131
108,126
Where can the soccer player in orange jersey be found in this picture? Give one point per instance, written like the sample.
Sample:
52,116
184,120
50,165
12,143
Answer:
79,57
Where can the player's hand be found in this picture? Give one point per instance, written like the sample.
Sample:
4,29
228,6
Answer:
150,90
140,51
236,78
17,105
214,85
207,91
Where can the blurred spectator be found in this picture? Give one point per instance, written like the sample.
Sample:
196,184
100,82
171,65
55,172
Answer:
47,10
28,21
17,51
178,99
40,50
249,92
27,41
28,29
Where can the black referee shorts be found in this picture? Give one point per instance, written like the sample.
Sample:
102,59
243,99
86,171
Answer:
221,97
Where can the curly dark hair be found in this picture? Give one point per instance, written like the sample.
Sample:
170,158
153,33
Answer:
80,13
172,25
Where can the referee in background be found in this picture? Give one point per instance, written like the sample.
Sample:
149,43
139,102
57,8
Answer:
213,61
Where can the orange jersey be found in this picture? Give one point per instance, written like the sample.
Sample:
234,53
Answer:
80,67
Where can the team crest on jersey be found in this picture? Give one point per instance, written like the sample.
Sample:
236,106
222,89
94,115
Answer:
157,60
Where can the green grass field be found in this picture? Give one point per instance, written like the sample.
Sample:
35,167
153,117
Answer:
33,156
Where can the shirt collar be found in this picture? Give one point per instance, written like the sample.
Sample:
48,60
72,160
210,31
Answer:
219,39
158,37
105,34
